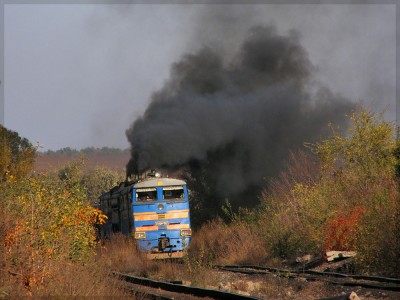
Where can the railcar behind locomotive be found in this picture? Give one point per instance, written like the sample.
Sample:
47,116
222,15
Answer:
155,211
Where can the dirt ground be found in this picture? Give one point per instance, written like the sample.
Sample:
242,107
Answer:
274,287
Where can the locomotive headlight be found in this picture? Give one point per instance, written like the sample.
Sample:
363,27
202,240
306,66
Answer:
140,235
186,232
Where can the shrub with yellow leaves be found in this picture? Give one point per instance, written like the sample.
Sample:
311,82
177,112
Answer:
51,221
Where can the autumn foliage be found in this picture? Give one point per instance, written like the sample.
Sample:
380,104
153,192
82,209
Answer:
341,230
347,200
51,221
46,221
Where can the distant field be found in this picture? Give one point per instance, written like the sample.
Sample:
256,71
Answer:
116,162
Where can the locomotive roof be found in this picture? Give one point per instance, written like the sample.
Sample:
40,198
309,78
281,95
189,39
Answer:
154,182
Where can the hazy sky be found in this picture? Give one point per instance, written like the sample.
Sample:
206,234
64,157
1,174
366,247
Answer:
79,75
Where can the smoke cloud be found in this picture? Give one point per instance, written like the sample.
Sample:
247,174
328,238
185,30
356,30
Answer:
237,117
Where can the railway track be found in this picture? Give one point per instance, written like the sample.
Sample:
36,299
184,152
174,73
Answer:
370,282
181,289
160,290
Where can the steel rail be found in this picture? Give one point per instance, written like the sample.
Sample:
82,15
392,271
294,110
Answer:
177,288
384,283
311,272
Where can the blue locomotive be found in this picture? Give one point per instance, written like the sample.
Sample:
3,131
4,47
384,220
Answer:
154,210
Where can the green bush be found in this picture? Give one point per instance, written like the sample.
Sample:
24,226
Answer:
94,182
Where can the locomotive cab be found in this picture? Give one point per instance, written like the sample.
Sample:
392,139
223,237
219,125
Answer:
161,216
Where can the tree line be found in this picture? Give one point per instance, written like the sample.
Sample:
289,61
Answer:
68,151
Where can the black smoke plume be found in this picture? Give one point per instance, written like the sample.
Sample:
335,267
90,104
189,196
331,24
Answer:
236,118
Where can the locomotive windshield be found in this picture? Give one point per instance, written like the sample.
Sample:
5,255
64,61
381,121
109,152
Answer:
147,194
173,192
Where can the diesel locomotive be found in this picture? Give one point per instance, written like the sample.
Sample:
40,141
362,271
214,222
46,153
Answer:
153,210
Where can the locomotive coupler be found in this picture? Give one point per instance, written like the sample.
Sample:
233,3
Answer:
163,243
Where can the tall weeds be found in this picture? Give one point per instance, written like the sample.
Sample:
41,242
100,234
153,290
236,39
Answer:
217,243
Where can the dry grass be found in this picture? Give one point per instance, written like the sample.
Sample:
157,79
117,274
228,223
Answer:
217,243
66,279
120,254
81,280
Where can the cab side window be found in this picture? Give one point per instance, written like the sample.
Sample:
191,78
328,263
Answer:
146,195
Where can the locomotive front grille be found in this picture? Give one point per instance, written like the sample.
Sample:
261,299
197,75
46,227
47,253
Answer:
161,216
